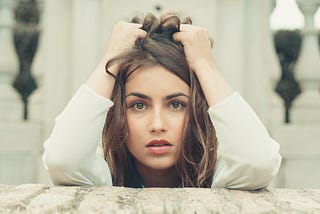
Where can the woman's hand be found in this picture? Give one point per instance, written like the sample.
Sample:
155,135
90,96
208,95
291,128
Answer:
123,37
197,48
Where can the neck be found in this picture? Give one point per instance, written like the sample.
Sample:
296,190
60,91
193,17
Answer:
158,178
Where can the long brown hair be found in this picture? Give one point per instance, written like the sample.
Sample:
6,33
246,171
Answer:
198,154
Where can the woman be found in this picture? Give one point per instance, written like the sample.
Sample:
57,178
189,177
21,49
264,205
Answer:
172,121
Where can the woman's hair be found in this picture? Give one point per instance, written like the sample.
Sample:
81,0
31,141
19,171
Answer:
198,154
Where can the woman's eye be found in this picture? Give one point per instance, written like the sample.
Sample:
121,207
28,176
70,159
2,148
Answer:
138,106
177,105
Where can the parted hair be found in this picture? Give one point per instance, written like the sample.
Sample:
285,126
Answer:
197,158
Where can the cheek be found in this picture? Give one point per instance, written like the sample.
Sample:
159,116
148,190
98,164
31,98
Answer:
135,126
130,123
179,125
133,133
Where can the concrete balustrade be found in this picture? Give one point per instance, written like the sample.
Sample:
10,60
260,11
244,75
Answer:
37,198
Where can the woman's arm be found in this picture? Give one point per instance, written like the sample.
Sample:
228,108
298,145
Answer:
123,37
197,47
71,150
248,158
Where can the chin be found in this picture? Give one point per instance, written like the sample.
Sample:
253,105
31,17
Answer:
160,165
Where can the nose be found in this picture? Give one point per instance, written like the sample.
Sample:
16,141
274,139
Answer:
157,124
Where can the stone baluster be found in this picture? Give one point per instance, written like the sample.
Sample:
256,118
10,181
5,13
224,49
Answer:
307,105
288,46
26,37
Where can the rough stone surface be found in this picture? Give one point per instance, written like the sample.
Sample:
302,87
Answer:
37,198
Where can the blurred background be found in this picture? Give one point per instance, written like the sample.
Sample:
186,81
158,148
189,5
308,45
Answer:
268,50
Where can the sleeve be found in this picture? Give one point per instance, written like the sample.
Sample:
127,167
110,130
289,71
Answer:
248,158
72,154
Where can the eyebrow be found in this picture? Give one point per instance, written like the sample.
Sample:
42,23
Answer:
168,97
176,95
137,94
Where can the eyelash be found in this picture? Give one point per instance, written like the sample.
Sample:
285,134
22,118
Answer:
134,106
181,104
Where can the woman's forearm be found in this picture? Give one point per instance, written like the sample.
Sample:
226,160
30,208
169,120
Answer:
213,84
123,36
100,81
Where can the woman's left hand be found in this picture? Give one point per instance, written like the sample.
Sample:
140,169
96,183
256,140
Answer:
197,46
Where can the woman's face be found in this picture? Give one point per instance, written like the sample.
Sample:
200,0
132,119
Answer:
157,117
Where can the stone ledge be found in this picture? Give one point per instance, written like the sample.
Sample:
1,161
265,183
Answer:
37,198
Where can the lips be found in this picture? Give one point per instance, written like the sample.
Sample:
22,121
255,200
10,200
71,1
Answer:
158,143
158,147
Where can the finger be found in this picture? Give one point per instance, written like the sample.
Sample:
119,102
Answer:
141,34
187,27
178,37
137,25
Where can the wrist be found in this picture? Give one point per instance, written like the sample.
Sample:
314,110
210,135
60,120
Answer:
113,69
204,67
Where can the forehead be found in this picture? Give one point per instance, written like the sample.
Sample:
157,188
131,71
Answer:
155,79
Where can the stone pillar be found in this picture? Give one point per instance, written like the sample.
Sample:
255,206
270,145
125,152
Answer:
85,39
19,144
57,45
306,108
229,41
299,140
257,72
57,74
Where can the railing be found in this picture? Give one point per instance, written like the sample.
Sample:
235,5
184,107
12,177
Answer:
25,36
32,198
299,56
300,72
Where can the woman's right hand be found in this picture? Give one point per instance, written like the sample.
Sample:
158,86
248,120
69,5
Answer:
123,37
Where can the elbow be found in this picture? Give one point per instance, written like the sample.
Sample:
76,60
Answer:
56,158
56,168
55,162
248,169
260,174
251,175
263,168
63,173
270,170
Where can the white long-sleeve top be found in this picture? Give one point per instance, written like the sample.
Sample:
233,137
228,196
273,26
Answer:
248,158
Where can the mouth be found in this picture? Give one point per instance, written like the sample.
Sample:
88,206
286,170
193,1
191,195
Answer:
158,147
